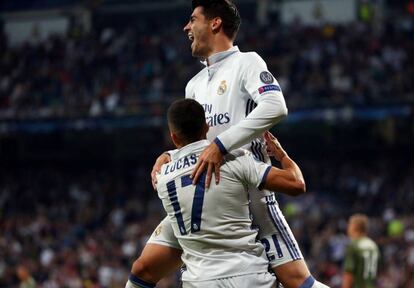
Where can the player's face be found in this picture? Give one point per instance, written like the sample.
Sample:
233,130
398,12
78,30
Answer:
350,228
199,32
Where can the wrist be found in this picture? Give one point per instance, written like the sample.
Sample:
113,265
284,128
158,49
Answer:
164,157
220,146
283,156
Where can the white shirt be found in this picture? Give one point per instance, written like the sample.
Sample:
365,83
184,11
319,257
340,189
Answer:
241,100
213,226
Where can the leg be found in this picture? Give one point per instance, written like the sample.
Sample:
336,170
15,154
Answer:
156,262
160,257
292,274
281,246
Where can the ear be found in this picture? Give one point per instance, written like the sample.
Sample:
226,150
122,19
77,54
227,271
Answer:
175,139
205,129
216,23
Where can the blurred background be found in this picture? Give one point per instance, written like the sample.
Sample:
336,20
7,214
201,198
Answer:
84,86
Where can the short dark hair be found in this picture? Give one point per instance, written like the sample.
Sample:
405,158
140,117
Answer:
186,118
226,10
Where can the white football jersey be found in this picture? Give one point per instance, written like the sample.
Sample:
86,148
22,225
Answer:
241,100
212,225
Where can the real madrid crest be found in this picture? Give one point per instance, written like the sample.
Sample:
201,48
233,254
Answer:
158,230
222,87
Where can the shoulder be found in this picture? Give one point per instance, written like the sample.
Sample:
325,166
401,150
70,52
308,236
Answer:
248,62
200,75
237,155
193,82
162,179
251,58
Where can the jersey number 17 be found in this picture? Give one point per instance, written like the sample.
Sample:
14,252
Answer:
198,201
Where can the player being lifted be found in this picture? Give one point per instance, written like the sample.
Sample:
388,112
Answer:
241,100
213,226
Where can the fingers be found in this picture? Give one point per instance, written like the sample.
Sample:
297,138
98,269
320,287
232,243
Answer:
154,178
156,169
209,175
198,170
267,136
211,168
271,136
217,172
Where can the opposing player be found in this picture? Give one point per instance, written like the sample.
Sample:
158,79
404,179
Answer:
361,257
241,100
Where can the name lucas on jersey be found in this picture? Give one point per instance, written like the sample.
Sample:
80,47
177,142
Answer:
215,119
181,163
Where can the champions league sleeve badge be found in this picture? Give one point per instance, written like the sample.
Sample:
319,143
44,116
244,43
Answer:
222,87
266,77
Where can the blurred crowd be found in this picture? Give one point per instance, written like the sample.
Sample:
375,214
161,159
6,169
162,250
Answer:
85,229
73,230
62,227
119,71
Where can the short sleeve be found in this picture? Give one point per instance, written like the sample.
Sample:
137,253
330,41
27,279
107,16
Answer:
257,79
249,170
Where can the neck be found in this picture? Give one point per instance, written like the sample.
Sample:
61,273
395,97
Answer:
221,44
185,143
357,236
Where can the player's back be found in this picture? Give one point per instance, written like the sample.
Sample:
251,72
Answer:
362,261
213,225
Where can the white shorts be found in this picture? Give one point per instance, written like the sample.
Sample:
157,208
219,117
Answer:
244,281
164,235
274,232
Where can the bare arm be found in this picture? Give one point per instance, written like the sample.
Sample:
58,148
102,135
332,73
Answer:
288,180
156,169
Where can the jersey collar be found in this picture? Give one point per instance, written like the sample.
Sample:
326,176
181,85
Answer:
217,57
190,148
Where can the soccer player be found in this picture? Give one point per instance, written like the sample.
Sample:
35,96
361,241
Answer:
362,255
213,225
241,100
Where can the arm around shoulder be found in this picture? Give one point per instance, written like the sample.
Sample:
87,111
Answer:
288,180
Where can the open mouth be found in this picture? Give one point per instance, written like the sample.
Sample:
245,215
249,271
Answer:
191,37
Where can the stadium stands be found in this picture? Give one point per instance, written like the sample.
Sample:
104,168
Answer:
76,213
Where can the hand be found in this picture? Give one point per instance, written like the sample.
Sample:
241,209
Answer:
274,148
210,159
156,169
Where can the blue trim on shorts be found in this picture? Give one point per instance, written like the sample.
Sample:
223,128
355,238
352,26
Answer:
139,282
280,227
288,236
308,282
277,245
